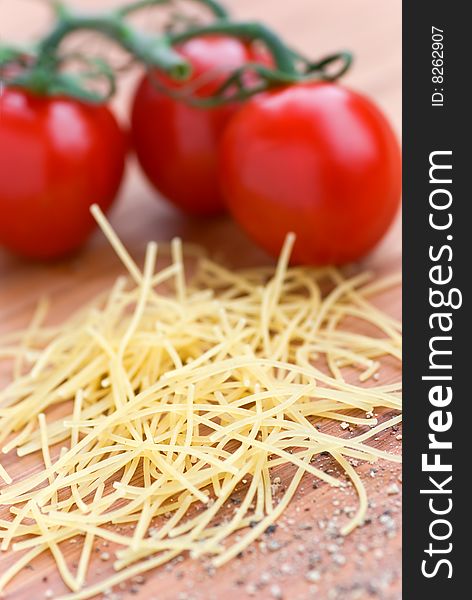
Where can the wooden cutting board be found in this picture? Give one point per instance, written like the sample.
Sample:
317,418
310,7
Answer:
303,558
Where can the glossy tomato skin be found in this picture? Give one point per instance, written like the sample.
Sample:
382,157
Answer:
57,157
316,159
177,144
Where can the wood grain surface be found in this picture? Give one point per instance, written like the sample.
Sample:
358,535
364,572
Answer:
304,558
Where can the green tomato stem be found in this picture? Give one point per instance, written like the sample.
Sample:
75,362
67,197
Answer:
9,54
158,51
150,49
283,56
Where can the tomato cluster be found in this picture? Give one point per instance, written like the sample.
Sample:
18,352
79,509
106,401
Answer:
313,158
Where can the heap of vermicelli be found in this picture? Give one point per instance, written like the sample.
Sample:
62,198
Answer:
151,402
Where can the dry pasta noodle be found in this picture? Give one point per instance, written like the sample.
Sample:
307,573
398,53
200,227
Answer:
164,401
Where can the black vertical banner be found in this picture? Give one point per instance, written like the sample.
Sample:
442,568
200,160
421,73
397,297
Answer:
437,201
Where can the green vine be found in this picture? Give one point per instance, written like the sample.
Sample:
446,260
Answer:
41,69
251,31
290,67
42,72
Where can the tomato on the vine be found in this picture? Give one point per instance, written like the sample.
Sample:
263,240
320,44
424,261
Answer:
316,159
57,157
177,144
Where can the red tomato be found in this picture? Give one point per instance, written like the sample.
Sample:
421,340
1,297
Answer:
57,157
316,159
177,144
